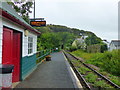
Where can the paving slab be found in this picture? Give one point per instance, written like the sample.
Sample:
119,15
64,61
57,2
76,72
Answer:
49,74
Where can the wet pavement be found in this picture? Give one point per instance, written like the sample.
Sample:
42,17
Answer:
49,74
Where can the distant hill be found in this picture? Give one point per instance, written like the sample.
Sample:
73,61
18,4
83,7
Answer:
64,36
60,28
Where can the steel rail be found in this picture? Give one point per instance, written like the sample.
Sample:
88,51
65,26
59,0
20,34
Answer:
78,74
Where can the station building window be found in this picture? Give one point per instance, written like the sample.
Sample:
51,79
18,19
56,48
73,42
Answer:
30,45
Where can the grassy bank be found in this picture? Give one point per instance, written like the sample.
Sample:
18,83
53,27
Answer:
92,79
108,62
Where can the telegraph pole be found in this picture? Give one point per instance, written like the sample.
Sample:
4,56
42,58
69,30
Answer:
34,10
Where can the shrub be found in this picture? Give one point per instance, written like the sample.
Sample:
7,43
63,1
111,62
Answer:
72,48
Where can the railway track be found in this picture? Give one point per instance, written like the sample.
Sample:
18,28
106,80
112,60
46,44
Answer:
83,81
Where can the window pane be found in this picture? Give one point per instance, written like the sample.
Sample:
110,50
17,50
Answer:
28,51
31,39
28,38
30,45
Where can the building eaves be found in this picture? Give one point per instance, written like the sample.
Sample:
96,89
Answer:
8,12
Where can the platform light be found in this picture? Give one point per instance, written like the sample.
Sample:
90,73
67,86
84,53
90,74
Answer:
26,32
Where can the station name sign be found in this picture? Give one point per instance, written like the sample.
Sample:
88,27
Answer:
37,22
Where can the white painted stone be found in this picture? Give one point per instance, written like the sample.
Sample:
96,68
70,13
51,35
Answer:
0,80
7,80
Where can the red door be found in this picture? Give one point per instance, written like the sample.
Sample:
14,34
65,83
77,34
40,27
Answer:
7,46
16,56
11,51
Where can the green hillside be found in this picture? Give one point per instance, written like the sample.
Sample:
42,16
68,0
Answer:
59,28
62,36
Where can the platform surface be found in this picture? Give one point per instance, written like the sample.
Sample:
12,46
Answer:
49,74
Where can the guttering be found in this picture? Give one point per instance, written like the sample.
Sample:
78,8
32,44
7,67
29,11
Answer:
12,18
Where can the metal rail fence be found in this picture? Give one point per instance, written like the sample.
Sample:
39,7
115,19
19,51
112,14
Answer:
40,55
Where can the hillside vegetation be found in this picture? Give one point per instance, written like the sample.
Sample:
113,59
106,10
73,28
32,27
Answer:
108,61
62,37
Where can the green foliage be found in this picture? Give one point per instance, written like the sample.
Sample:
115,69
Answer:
64,36
72,48
81,53
95,44
22,8
60,28
43,29
115,79
53,40
92,39
94,48
97,48
83,70
76,63
91,77
103,47
108,61
102,84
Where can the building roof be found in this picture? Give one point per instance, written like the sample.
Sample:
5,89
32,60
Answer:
9,13
116,42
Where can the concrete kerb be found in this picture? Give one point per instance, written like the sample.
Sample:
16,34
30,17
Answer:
75,80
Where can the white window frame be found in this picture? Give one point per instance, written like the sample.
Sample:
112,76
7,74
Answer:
30,45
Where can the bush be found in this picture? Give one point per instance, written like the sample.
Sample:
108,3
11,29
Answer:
96,48
72,48
81,53
104,48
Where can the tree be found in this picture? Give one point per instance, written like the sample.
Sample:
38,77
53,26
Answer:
63,37
53,40
22,8
92,39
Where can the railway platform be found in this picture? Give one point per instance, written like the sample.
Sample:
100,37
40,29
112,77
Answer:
56,73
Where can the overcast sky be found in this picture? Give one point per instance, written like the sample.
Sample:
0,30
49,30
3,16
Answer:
98,16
